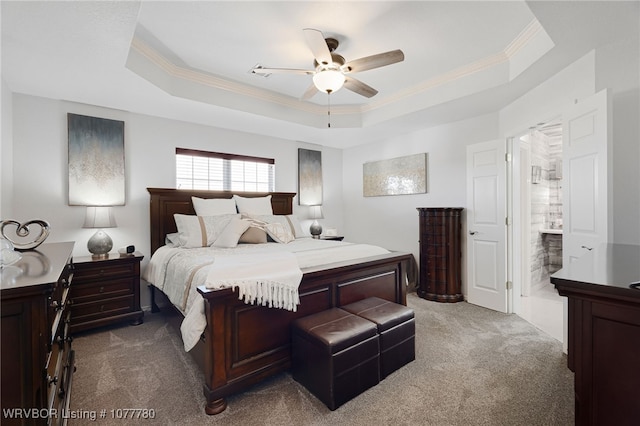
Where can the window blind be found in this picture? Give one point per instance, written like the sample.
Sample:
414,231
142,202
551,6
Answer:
221,171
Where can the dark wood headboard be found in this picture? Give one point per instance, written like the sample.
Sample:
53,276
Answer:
165,202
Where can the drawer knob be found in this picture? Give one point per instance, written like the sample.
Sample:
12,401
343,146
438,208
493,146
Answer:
101,289
52,380
101,308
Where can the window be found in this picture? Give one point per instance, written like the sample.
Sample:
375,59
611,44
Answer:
223,172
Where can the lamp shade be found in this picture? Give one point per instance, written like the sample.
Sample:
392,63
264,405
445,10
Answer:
99,217
315,212
328,80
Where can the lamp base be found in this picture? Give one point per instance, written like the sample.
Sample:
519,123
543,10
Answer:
100,244
315,229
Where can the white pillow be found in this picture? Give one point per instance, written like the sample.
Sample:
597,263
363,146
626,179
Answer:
279,232
172,239
213,206
296,227
254,206
290,221
232,233
200,231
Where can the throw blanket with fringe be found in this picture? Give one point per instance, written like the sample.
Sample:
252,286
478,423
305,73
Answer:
271,279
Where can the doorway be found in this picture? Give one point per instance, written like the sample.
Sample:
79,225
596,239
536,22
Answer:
537,239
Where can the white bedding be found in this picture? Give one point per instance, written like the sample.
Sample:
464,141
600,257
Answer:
179,271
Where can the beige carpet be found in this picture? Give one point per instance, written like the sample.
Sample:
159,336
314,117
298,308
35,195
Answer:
473,367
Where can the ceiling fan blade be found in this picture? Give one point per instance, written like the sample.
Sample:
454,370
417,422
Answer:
308,94
318,46
374,61
359,87
262,70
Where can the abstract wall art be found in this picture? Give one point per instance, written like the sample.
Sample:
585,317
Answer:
395,176
309,177
96,161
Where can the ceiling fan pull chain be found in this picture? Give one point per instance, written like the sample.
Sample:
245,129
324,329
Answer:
329,109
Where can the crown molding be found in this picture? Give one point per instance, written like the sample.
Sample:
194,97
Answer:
200,77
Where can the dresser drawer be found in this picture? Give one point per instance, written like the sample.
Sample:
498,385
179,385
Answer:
87,292
36,352
57,367
87,272
104,308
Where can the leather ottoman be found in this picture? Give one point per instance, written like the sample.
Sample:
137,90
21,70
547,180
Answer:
335,355
396,328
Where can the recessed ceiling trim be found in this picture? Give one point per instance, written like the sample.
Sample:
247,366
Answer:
441,80
210,80
185,73
518,43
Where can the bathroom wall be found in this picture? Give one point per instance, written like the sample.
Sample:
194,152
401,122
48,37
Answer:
539,207
546,205
554,242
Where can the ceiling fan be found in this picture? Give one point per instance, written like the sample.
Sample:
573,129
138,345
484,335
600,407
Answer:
331,71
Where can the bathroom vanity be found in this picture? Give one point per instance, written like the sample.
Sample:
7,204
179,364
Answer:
604,333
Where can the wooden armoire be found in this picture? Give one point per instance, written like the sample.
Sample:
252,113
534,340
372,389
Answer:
440,254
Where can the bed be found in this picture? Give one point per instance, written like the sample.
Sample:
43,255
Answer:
243,344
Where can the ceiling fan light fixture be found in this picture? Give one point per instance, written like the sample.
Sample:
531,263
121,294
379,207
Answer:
328,80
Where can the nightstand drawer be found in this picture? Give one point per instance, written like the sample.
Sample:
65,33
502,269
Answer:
85,312
105,290
82,293
86,272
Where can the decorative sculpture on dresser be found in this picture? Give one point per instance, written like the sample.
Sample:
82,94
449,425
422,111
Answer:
22,231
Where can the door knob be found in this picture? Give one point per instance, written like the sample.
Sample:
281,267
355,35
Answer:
473,232
588,248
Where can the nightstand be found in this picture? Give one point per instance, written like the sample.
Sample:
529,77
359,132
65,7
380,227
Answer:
106,291
332,238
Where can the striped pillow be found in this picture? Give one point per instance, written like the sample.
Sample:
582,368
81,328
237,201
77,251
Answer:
200,231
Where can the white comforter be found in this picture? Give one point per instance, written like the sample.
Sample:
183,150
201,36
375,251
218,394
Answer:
178,271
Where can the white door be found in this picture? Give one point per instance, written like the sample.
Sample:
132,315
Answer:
486,225
585,145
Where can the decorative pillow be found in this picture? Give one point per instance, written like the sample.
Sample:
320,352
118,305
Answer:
213,206
278,231
232,233
296,227
253,235
172,239
200,231
290,221
254,206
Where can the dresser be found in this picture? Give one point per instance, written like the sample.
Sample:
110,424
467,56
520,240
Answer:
604,333
440,254
37,359
106,291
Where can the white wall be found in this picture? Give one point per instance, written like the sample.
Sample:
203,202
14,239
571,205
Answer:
6,151
614,67
547,101
392,221
40,168
618,69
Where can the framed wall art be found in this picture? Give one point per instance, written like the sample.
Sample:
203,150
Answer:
96,161
309,177
396,176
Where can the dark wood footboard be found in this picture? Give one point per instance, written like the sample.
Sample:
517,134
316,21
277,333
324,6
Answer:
243,344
